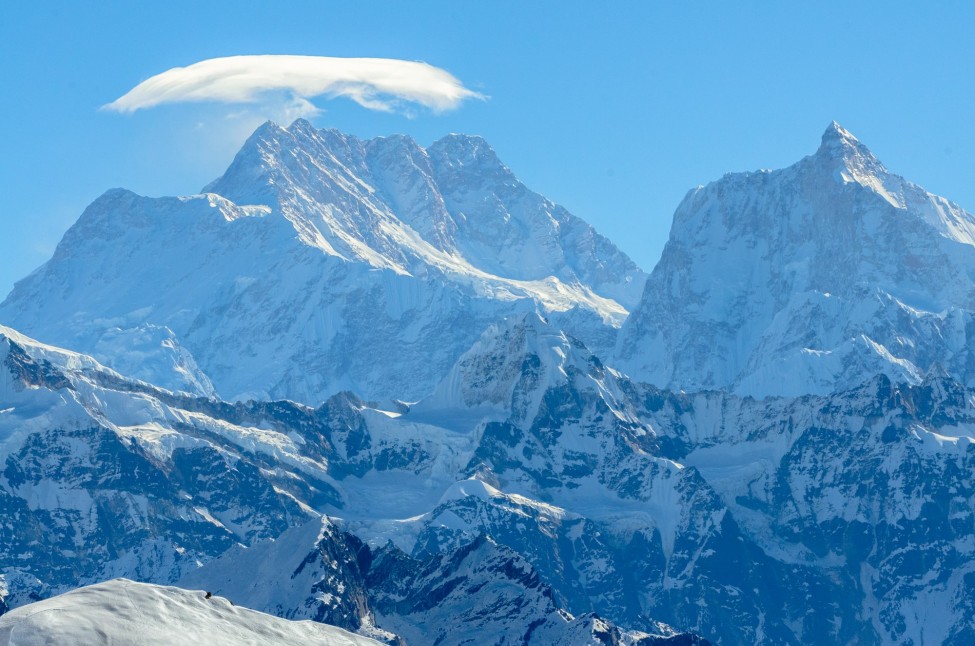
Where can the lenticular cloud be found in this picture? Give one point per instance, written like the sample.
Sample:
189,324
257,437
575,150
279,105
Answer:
374,83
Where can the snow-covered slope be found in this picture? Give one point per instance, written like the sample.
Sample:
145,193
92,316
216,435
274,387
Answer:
126,613
776,521
362,265
806,280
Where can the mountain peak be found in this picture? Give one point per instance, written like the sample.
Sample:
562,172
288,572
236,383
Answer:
457,238
267,130
464,150
845,245
464,141
301,133
839,144
837,135
301,124
331,138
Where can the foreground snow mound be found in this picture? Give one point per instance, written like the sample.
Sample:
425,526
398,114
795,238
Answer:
809,279
350,251
123,613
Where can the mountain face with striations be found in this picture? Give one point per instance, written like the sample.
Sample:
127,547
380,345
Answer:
320,262
808,279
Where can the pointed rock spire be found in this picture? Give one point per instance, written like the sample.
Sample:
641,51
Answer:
839,144
837,135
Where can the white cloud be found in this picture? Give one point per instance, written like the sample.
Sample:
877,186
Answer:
384,84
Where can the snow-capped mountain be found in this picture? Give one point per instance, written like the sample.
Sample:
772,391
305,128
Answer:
126,613
320,262
809,279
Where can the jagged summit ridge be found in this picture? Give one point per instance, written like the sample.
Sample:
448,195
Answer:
807,279
459,203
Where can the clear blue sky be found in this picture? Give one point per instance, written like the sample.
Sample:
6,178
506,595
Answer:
613,110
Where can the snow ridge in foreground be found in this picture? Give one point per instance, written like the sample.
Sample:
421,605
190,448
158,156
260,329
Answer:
124,613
